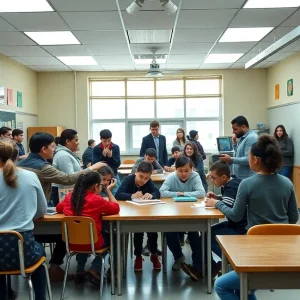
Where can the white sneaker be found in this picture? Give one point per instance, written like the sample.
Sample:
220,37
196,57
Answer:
176,266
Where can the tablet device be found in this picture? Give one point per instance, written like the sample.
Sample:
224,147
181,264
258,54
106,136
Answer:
184,199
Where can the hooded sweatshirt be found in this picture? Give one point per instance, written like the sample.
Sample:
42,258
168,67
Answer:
191,188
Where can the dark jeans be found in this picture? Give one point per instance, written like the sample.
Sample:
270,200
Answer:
138,242
54,195
286,171
59,250
195,243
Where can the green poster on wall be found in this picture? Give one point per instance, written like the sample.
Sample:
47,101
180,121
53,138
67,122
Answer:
19,99
290,87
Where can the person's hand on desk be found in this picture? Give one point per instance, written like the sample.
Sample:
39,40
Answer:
147,196
225,157
210,202
97,166
154,172
211,195
137,195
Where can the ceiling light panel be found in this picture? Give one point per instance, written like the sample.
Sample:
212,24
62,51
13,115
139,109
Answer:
149,36
78,60
271,4
25,6
53,38
245,34
222,58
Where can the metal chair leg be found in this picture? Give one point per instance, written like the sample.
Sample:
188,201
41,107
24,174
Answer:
164,252
48,281
124,253
131,244
31,293
51,248
65,277
102,275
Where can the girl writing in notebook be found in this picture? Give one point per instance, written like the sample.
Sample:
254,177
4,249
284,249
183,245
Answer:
86,201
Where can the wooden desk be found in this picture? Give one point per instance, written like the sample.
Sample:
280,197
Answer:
172,216
125,166
263,261
124,171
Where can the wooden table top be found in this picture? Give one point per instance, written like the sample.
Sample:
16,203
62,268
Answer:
262,253
126,166
124,171
155,177
170,210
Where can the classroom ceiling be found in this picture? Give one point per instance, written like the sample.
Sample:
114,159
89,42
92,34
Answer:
102,32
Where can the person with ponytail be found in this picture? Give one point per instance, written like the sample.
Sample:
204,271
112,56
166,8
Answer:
21,200
268,197
86,201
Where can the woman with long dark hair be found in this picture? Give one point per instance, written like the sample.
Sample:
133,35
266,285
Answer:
286,148
180,140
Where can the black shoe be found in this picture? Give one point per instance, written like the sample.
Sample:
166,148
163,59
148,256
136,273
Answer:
191,271
12,295
159,252
80,277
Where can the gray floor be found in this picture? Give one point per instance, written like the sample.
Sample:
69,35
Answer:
148,285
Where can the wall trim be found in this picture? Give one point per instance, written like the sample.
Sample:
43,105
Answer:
19,112
281,105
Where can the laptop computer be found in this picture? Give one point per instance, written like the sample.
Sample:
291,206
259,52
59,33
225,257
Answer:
225,145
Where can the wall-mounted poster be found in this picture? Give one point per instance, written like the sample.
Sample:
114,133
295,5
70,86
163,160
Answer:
19,99
10,97
290,87
2,98
277,91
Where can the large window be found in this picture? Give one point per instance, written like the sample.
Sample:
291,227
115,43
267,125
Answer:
127,106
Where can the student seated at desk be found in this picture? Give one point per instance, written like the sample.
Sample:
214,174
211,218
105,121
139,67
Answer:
85,201
268,197
171,162
140,185
220,174
183,182
21,200
150,157
107,177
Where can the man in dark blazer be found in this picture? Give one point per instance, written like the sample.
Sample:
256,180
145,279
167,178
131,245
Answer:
156,141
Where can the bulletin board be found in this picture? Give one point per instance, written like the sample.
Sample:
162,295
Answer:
7,119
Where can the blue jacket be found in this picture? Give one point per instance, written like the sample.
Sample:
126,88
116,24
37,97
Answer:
114,161
87,156
148,142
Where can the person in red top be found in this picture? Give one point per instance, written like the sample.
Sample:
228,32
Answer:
86,201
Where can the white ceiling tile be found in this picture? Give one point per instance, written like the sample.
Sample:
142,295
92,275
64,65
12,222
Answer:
147,67
212,4
246,57
233,47
197,35
45,61
40,68
148,20
118,67
146,48
215,66
86,68
19,60
107,49
205,18
260,46
86,5
23,51
109,20
238,66
14,39
293,20
113,60
190,58
67,50
277,34
183,66
43,21
188,48
261,17
5,26
100,37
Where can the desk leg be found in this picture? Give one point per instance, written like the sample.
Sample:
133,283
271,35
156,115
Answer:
209,279
203,253
224,264
164,252
119,261
244,286
112,262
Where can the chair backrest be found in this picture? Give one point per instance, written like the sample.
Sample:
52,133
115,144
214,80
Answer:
79,231
275,229
20,241
129,161
62,193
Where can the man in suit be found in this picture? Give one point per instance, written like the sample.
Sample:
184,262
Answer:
156,141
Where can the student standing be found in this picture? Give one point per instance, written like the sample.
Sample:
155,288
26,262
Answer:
194,137
156,141
87,156
286,148
17,135
268,197
21,195
140,185
243,138
180,139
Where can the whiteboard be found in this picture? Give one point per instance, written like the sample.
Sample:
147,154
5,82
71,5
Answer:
289,117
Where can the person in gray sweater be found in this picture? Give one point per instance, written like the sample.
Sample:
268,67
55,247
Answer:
268,196
286,147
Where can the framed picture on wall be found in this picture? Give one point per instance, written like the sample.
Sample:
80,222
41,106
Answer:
290,87
10,97
2,95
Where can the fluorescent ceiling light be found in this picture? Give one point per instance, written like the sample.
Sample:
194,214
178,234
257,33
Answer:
271,3
78,60
274,48
134,7
150,36
24,6
245,34
53,38
147,61
222,58
169,6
